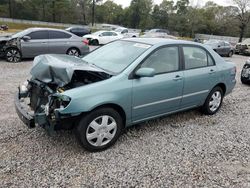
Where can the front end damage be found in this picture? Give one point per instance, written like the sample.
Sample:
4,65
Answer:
40,99
8,42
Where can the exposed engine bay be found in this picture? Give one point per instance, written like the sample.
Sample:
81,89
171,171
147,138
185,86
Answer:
43,93
7,42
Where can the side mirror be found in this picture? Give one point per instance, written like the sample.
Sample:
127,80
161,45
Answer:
26,38
100,35
145,72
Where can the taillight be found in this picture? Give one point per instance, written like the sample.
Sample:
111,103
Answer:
85,41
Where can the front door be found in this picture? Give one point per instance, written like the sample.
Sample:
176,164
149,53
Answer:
37,45
161,94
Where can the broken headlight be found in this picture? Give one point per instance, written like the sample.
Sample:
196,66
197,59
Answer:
57,101
60,101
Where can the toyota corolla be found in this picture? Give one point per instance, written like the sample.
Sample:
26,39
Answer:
120,84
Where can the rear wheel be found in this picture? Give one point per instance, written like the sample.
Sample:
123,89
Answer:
13,55
213,101
99,129
73,52
95,42
230,54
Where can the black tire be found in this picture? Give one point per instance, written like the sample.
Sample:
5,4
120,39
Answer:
13,55
95,42
206,108
73,52
245,80
84,127
230,54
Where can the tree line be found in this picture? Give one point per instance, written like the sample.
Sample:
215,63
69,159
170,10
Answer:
180,18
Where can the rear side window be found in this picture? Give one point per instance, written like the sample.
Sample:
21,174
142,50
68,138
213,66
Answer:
106,34
58,35
196,58
163,60
39,35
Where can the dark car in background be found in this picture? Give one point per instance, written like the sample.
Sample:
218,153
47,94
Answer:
4,27
243,47
245,73
79,30
36,41
223,48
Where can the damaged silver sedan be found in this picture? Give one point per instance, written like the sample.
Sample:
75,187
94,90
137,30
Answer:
120,84
36,41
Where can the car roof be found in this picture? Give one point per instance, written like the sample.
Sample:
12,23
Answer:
160,41
44,28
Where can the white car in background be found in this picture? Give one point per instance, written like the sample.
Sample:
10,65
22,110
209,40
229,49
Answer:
128,33
102,37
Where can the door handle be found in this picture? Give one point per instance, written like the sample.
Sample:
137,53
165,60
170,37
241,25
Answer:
212,71
177,77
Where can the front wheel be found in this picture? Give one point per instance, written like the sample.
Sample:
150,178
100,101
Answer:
13,55
213,101
99,129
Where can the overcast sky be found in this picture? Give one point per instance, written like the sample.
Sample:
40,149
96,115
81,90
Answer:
126,3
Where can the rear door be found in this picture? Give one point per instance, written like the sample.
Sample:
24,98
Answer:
59,42
199,76
37,45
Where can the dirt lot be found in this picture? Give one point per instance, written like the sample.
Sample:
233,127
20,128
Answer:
183,150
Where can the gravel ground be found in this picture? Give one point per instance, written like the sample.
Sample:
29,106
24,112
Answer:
183,150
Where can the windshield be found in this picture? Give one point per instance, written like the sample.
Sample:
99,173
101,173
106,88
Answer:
21,33
116,56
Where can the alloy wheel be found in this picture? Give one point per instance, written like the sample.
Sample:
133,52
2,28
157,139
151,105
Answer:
73,52
13,55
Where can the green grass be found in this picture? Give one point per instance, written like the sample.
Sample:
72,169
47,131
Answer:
15,27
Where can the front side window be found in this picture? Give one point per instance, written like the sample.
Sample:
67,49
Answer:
39,35
196,57
163,60
113,34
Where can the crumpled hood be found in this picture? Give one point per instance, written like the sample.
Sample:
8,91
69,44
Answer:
6,38
59,69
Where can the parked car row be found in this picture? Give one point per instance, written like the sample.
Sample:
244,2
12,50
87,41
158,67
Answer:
104,92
